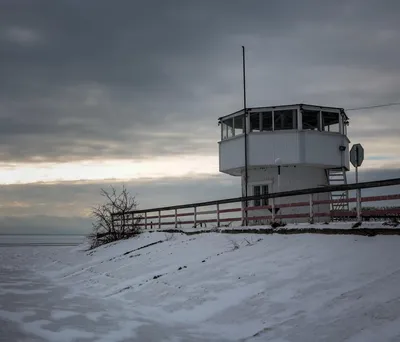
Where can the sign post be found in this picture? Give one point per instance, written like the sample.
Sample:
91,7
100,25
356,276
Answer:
356,158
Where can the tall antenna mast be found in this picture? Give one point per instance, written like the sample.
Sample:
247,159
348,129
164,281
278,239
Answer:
245,135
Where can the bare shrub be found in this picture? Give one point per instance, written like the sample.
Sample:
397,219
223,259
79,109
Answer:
113,220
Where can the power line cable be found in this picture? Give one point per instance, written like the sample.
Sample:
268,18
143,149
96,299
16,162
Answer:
375,106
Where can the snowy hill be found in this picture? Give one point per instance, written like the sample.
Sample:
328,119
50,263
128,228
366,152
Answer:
225,287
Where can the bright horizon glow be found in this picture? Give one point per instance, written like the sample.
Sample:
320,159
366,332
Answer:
161,167
108,169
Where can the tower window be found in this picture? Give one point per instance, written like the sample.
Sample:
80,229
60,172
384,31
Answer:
266,121
330,122
238,124
255,122
285,119
227,129
232,127
311,120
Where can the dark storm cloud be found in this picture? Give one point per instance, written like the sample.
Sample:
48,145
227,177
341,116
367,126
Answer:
103,79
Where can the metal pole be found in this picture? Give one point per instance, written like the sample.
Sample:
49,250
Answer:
358,195
245,136
279,178
358,205
311,209
145,220
195,217
159,219
176,218
356,174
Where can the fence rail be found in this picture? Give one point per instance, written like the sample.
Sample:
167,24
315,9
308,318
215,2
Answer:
202,213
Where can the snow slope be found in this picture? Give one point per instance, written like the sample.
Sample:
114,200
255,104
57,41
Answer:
231,287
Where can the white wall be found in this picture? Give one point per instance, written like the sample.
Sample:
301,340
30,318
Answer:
311,148
292,178
322,148
231,154
265,147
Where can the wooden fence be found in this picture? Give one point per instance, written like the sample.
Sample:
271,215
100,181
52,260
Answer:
226,212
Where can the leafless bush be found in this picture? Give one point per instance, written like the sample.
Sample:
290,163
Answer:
112,220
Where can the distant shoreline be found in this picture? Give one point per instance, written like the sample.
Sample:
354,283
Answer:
32,240
20,234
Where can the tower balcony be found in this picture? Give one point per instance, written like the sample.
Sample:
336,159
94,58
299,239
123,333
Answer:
291,135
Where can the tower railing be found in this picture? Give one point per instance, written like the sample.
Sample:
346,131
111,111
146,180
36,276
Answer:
226,212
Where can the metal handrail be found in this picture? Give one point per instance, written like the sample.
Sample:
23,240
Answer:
308,191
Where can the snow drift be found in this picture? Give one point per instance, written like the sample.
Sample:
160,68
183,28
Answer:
237,287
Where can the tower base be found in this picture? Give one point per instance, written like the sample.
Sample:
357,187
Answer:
265,180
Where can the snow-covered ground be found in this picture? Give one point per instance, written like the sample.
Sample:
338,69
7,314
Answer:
206,287
307,226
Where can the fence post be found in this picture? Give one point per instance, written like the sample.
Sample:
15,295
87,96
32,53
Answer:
218,221
145,220
159,219
273,209
358,206
195,217
311,208
176,218
246,213
243,214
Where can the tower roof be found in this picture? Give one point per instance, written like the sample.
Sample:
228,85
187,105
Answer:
266,108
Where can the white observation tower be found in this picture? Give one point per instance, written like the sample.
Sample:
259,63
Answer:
289,147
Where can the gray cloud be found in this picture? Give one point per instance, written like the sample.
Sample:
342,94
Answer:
102,79
64,207
76,198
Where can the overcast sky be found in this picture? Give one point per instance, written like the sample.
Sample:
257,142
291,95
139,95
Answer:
130,90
